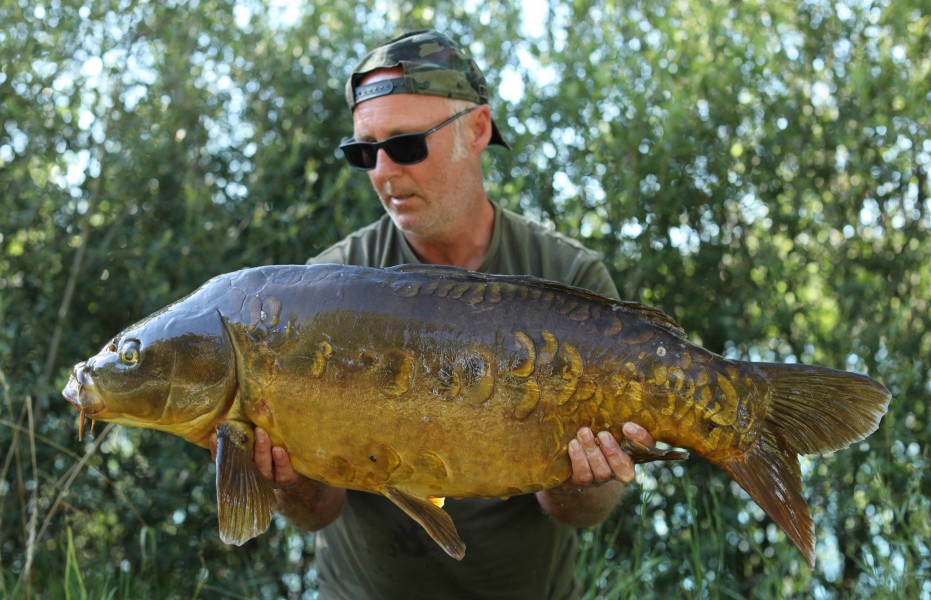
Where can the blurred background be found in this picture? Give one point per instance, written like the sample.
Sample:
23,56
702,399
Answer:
759,170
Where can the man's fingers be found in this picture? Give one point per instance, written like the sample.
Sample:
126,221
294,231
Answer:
581,470
601,470
262,454
636,433
284,472
273,464
622,468
598,460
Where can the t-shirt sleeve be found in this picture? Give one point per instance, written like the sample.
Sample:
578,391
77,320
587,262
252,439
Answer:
525,247
594,276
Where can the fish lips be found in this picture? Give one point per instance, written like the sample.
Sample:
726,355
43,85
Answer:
76,392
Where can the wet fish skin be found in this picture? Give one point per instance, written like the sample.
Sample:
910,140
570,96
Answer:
415,382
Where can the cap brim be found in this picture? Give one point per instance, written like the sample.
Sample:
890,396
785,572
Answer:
496,136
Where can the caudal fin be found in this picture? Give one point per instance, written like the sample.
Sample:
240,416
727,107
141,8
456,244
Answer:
812,410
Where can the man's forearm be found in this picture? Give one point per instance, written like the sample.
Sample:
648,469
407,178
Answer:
581,506
309,504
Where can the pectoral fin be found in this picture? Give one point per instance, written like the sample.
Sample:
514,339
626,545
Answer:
245,499
432,518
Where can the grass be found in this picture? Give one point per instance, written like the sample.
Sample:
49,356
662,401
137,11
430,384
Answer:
706,557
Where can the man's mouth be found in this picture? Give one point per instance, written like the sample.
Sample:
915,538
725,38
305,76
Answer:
394,194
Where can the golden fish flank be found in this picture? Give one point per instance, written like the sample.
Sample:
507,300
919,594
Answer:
387,380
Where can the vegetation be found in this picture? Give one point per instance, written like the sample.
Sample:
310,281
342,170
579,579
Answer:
759,170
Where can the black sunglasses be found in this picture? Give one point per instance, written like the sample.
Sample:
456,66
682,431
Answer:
404,149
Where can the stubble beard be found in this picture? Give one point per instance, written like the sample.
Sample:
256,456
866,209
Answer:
430,218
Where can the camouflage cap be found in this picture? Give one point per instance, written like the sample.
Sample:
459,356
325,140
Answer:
433,65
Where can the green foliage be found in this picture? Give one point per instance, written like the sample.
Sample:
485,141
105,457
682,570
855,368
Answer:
759,170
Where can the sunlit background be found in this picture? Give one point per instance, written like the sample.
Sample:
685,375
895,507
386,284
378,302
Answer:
758,170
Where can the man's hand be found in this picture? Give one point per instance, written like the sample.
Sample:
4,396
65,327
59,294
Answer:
599,459
273,462
589,495
306,503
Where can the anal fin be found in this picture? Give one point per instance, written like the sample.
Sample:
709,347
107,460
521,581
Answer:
245,499
435,521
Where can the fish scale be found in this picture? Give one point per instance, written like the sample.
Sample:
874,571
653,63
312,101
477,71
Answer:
414,382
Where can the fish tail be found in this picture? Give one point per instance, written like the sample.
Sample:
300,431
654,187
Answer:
812,410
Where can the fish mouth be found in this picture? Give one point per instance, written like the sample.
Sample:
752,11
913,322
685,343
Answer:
77,393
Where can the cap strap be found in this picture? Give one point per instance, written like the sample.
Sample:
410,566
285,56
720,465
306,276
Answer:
380,88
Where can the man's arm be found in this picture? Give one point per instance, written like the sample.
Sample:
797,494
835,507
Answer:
600,472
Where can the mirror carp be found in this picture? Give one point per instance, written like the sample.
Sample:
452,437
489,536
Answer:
414,381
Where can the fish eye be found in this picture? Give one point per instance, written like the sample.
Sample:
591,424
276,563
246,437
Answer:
129,352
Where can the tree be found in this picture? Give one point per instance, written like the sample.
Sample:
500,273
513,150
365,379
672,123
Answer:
758,171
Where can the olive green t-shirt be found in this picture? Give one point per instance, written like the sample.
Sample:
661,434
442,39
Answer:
514,550
518,247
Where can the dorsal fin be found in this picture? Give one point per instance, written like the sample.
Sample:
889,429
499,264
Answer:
436,269
651,315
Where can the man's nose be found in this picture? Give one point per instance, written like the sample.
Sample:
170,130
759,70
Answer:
384,164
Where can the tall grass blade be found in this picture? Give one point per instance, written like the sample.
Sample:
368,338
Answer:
73,575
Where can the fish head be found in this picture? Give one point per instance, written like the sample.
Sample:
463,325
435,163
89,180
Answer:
173,371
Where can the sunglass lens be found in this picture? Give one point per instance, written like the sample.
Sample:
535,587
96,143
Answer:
407,149
360,154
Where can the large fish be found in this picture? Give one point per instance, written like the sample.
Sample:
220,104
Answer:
413,382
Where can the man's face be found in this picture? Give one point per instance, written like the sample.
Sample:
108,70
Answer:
422,199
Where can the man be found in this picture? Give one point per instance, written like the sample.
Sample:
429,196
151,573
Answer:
421,121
